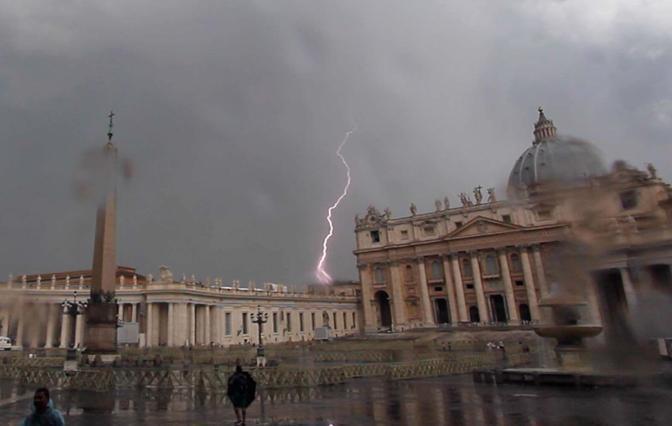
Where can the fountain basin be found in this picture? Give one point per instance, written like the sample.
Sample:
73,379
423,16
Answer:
561,300
568,332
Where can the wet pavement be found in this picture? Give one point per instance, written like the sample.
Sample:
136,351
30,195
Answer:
440,401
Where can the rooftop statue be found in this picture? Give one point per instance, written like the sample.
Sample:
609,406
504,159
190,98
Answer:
464,198
478,196
652,171
446,203
388,213
414,210
491,195
165,274
437,204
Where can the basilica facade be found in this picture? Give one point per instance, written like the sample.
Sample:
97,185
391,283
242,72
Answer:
569,226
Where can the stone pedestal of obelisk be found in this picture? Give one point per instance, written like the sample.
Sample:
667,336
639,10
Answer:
101,313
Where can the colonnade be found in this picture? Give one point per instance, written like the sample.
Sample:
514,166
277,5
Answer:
178,323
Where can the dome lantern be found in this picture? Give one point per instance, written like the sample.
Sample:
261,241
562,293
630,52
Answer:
543,128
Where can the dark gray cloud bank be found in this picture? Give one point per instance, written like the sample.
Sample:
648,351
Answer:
231,112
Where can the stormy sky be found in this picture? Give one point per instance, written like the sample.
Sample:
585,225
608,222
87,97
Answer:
231,112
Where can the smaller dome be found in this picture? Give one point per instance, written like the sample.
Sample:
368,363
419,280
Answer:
554,159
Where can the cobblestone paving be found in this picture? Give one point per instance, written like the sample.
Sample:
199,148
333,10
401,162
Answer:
440,401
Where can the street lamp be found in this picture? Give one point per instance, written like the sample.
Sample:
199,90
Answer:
260,319
74,307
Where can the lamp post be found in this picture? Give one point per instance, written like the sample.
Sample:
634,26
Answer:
260,319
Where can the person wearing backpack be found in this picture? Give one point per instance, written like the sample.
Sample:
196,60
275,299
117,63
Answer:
241,390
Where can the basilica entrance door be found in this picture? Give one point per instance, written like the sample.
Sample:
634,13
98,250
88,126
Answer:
442,313
385,315
497,308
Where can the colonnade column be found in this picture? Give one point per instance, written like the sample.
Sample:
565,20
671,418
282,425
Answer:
397,296
539,268
508,288
428,318
628,289
529,284
192,324
459,289
149,325
120,311
5,321
134,312
19,330
367,296
450,288
51,324
478,286
79,328
171,325
65,329
208,336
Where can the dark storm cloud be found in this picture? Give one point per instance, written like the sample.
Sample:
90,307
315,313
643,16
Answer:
231,113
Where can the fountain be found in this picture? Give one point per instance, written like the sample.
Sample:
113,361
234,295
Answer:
569,333
571,364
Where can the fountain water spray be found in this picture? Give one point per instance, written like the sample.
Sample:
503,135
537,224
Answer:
322,275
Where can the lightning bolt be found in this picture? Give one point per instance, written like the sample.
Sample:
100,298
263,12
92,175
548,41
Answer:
322,275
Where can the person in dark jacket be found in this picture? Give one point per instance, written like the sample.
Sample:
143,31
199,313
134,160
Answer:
44,413
241,390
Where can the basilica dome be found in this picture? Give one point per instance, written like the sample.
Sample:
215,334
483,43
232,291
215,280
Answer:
554,158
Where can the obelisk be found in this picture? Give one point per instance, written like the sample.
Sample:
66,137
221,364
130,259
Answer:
101,313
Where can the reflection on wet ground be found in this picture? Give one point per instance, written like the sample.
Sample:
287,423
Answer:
441,401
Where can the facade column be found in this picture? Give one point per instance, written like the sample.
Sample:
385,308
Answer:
593,301
428,318
120,311
628,289
397,297
208,335
149,325
508,288
65,329
529,284
459,290
79,329
51,325
483,313
450,288
539,268
171,325
192,324
134,312
367,298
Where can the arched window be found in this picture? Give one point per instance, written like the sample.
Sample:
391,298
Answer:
408,273
437,270
491,265
378,275
516,266
466,268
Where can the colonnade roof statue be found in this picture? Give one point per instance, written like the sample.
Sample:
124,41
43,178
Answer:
553,158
